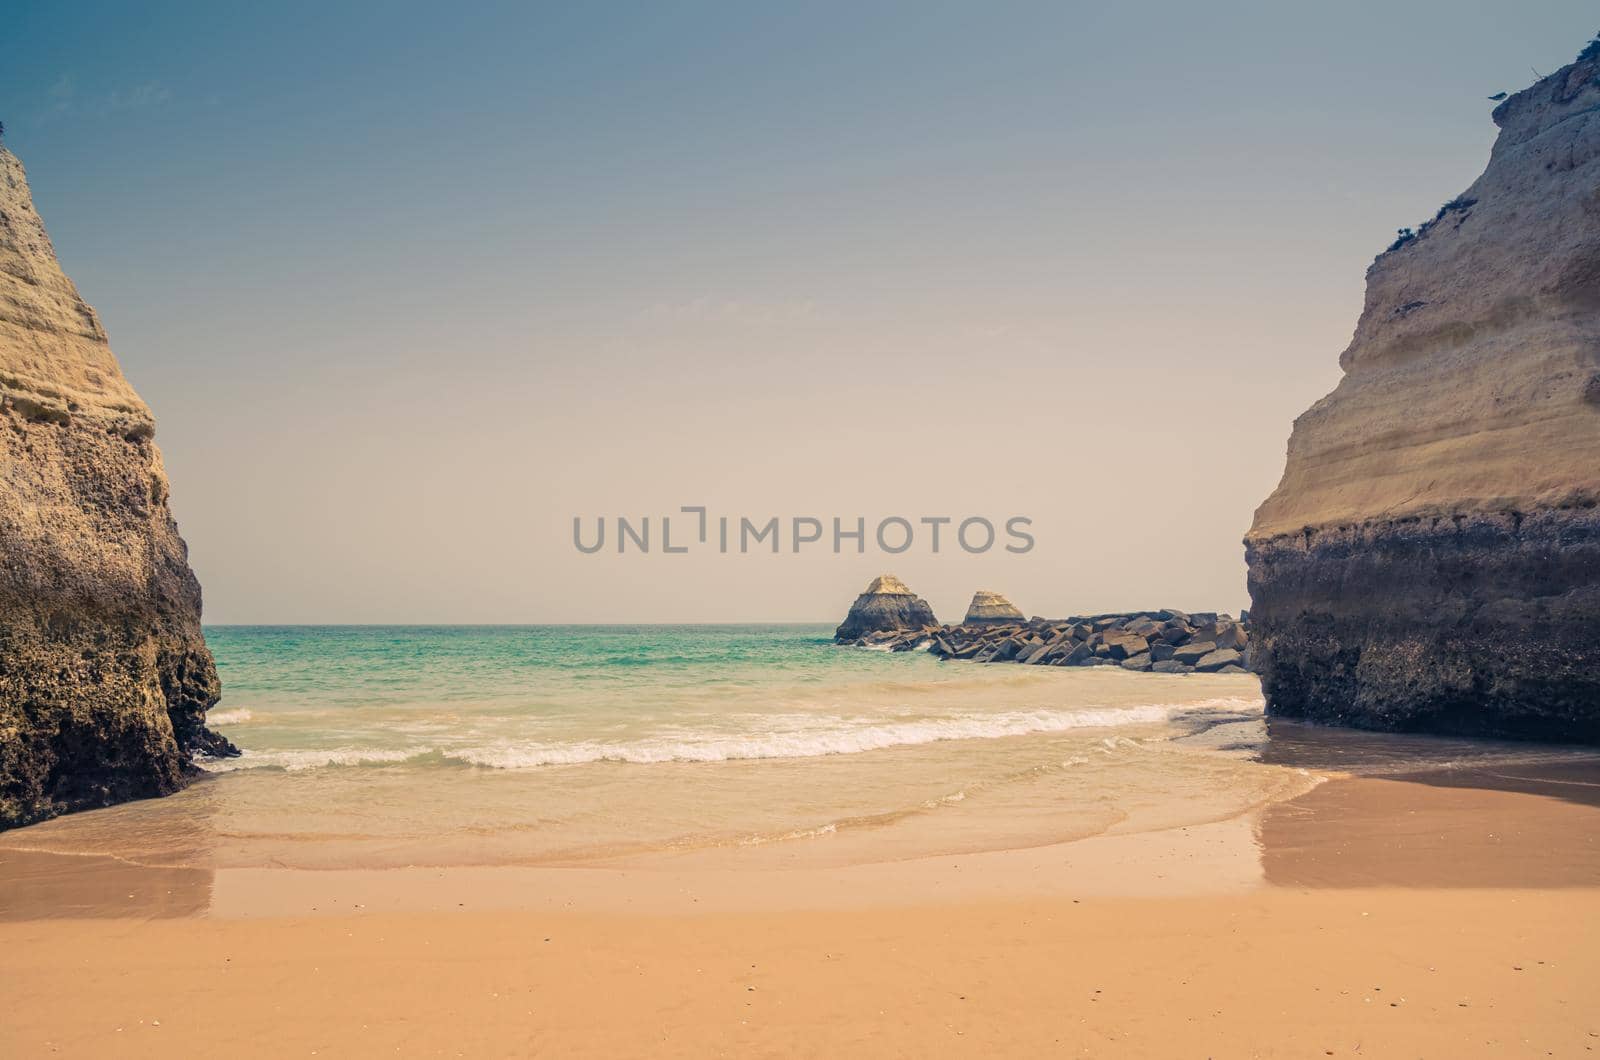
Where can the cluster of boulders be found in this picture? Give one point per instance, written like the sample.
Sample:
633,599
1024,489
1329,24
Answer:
1164,641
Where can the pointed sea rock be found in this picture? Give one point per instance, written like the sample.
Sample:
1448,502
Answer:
886,605
991,609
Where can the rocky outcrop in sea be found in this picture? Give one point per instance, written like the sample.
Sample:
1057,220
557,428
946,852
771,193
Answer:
104,675
991,609
886,606
1431,558
1163,641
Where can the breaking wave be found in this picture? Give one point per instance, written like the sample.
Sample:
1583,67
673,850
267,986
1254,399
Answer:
824,736
836,740
296,761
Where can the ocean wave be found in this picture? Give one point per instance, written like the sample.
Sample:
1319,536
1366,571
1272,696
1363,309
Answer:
921,645
762,839
228,717
296,761
782,736
806,744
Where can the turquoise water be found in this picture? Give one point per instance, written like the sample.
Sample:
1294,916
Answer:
522,697
424,745
742,745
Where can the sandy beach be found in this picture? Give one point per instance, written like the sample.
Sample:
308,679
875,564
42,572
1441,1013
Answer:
1446,915
736,530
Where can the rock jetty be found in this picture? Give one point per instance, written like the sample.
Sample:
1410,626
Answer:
1163,642
886,607
104,674
1431,559
991,609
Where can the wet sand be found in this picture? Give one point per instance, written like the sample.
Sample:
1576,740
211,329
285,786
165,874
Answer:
1449,914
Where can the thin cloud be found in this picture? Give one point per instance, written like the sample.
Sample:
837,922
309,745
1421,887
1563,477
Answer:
64,99
61,96
149,94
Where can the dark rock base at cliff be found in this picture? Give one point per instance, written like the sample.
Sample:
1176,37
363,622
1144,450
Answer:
1485,625
104,674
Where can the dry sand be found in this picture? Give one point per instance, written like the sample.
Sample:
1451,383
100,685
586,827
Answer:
1441,917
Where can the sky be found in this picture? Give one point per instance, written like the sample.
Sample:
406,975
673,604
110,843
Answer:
409,286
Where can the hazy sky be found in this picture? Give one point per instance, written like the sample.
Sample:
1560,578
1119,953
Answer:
410,286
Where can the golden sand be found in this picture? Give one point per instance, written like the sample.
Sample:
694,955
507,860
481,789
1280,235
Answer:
1446,916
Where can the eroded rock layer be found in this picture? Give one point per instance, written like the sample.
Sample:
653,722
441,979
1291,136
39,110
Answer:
104,674
1431,559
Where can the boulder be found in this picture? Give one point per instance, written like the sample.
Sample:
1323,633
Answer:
1229,635
1120,645
1218,659
1080,653
1175,633
1137,662
1006,650
1193,653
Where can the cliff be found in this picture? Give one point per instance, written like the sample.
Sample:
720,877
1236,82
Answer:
887,605
1431,558
104,674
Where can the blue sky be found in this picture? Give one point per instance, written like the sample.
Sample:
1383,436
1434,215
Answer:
410,286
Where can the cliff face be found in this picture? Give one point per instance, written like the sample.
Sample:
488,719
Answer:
1431,559
104,675
886,605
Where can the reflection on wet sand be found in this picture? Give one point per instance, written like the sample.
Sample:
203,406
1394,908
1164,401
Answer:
42,886
1396,811
49,871
1417,811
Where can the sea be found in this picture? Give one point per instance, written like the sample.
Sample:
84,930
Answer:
390,746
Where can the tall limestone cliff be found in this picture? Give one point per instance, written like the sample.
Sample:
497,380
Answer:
104,675
1431,559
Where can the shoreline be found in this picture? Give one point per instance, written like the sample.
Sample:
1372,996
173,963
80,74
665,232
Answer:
1290,761
1534,825
1352,935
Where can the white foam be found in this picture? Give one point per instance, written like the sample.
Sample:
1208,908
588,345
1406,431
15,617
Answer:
236,716
799,833
845,739
295,761
787,735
